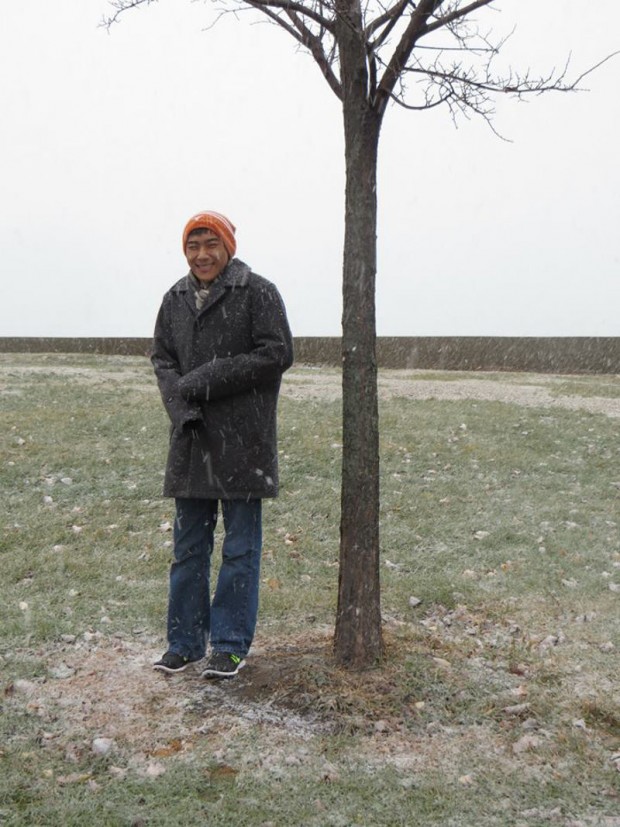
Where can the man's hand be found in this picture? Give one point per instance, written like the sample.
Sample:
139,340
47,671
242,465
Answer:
192,427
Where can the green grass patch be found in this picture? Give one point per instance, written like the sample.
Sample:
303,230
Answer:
497,701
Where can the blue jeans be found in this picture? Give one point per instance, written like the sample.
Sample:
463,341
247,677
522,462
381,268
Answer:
229,620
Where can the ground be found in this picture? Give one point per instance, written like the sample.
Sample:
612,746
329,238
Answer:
100,693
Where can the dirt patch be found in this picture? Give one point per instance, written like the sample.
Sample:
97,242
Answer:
103,694
528,391
274,719
106,687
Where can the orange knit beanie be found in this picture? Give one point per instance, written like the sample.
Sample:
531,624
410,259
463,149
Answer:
218,223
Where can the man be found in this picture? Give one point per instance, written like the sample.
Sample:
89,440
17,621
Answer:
221,344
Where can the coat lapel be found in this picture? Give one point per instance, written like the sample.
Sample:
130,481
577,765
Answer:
235,275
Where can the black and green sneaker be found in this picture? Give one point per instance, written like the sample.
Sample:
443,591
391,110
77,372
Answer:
171,663
223,665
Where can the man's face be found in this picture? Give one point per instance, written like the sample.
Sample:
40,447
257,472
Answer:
205,254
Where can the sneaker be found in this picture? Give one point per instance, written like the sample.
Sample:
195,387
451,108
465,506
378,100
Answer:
171,662
223,665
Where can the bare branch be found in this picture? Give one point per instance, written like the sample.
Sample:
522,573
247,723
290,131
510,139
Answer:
457,14
301,9
280,21
415,28
391,15
297,15
315,44
422,107
122,6
459,74
589,71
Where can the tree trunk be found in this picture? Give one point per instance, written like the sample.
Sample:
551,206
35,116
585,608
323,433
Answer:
358,641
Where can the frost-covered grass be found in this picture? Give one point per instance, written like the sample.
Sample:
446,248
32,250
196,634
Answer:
498,701
608,386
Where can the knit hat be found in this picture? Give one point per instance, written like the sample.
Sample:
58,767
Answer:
218,223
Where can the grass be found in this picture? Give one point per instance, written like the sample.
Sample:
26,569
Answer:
498,699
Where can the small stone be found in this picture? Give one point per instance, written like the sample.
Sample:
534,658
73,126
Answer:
330,773
414,601
102,746
548,643
62,672
154,770
516,709
73,778
24,687
608,646
66,480
526,743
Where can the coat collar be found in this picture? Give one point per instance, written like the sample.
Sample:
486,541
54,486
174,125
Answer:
235,275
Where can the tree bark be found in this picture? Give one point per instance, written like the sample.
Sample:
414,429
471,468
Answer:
358,640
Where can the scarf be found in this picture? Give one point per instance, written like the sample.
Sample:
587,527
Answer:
200,292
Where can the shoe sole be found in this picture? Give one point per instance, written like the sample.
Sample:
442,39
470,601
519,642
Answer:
213,673
160,667
168,670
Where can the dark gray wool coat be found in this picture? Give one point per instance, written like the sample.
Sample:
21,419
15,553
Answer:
218,371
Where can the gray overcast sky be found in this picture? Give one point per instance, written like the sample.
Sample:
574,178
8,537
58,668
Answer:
109,142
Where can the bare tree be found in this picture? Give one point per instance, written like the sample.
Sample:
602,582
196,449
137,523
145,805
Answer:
418,55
